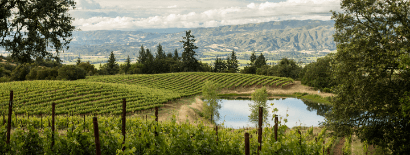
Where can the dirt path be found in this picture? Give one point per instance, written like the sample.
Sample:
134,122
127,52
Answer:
339,146
296,87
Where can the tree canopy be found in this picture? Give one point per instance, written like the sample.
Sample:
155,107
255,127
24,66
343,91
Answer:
190,63
371,38
36,23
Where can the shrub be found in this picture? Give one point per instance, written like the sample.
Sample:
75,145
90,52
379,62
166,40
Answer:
71,72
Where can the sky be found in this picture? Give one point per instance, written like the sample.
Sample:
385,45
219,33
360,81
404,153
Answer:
130,15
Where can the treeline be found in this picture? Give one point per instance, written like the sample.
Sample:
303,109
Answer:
317,74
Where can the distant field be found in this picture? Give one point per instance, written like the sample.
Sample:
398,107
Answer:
104,94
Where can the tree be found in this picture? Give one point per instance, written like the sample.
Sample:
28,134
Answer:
19,74
160,53
160,66
210,92
190,63
169,55
319,74
371,36
252,58
141,55
78,61
111,66
88,67
233,62
259,97
35,24
219,65
260,61
176,57
127,65
71,72
149,63
288,68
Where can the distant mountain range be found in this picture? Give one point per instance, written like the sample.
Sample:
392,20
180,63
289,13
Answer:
274,36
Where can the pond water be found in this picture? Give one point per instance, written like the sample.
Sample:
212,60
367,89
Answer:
236,112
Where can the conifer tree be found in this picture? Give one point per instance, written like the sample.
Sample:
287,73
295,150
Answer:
190,63
176,57
112,66
260,61
160,53
233,62
127,64
142,55
78,61
253,58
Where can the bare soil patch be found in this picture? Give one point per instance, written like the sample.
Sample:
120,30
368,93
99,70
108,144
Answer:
291,89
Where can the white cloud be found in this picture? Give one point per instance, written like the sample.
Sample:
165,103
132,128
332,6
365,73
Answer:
252,5
189,18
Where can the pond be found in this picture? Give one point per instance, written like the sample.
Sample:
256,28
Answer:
236,112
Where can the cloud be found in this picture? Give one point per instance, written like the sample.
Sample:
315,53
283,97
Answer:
252,5
87,4
173,6
252,13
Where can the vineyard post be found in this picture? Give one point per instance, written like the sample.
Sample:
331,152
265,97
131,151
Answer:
260,129
246,143
124,113
300,139
52,124
9,118
96,135
216,129
323,144
276,128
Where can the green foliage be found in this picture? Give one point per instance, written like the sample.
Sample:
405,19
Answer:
210,92
71,72
260,61
78,61
190,63
172,138
232,63
347,147
89,68
125,68
39,31
219,65
111,67
371,37
285,68
259,97
42,73
6,69
319,74
142,57
21,71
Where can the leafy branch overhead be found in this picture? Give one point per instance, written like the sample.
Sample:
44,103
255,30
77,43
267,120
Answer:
35,24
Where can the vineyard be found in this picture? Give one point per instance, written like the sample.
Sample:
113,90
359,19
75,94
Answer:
69,129
76,135
103,94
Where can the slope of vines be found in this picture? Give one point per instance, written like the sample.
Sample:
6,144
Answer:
80,97
191,83
104,94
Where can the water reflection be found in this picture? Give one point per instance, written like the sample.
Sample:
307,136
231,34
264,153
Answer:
237,113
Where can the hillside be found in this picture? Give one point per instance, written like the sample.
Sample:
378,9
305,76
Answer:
104,94
274,36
